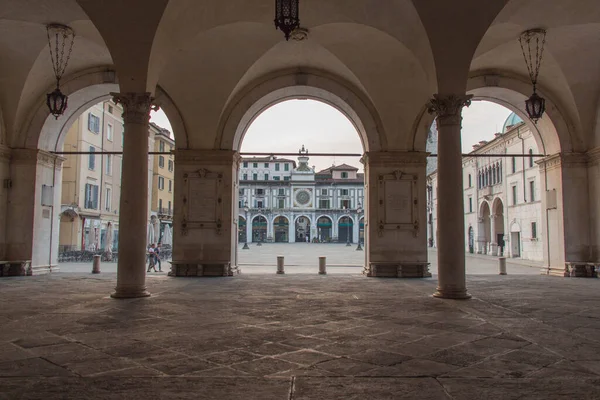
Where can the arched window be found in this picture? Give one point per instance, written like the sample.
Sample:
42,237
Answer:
494,175
500,164
479,183
530,158
499,172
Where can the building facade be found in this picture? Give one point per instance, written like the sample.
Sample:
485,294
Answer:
91,185
502,196
161,207
284,201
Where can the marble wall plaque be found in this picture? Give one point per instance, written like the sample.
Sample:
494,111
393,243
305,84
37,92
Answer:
202,200
398,202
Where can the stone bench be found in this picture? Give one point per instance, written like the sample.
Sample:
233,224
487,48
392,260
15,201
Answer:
408,269
16,268
582,269
202,268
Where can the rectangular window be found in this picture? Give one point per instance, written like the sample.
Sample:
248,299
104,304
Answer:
260,191
514,195
92,159
286,167
532,190
534,230
160,204
161,146
281,203
470,204
254,177
161,161
241,192
345,204
170,186
281,192
171,165
266,177
514,165
245,177
254,165
470,183
107,199
259,204
108,164
91,196
266,165
276,178
109,132
344,192
324,204
286,178
110,109
324,192
344,175
169,208
245,164
276,166
93,123
161,183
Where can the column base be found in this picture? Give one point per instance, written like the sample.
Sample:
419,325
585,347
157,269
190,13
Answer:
402,269
130,293
452,294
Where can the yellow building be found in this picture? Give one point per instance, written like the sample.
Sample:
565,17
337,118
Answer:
162,185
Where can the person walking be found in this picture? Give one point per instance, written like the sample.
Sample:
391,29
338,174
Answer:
157,255
151,258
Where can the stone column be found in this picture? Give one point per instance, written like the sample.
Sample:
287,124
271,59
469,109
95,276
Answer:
204,229
481,243
451,227
396,214
493,244
133,206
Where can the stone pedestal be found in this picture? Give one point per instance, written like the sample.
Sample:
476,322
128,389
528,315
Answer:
204,227
451,227
395,214
133,208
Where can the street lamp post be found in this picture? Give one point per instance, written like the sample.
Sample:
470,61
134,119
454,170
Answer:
347,230
260,211
246,227
358,211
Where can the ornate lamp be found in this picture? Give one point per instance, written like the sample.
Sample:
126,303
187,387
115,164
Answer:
359,210
286,16
60,37
246,209
532,45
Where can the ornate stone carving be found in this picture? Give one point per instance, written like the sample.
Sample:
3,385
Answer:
202,201
448,108
136,106
299,34
398,200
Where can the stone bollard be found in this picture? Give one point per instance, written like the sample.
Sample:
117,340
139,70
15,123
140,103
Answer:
96,264
280,270
502,265
322,265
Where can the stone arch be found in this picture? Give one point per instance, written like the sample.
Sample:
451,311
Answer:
302,215
292,84
555,132
84,89
344,216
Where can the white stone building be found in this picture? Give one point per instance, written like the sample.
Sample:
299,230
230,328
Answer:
503,212
289,202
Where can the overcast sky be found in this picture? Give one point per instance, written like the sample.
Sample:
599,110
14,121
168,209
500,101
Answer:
287,126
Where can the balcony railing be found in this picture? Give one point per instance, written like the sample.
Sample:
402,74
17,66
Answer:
165,211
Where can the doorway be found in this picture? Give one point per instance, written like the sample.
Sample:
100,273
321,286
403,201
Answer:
515,244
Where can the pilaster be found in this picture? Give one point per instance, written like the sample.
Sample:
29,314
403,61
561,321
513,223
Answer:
204,224
395,214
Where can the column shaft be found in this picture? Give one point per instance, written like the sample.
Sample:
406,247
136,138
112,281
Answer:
133,208
451,228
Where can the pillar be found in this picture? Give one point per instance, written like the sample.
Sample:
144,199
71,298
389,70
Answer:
451,262
249,228
133,206
204,228
33,190
493,244
395,214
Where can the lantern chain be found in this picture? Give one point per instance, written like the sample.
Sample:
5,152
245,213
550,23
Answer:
533,69
57,61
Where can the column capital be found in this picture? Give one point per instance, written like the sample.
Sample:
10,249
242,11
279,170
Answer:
388,158
136,106
211,157
448,107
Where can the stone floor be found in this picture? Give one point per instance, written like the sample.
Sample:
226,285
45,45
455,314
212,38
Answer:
299,337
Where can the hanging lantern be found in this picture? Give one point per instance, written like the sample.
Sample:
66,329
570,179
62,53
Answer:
60,38
532,45
286,16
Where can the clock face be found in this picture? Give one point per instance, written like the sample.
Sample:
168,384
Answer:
302,197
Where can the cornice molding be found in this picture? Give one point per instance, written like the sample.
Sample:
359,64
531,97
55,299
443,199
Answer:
395,158
35,156
207,157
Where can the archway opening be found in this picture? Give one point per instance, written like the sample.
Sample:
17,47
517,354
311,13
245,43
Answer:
302,176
